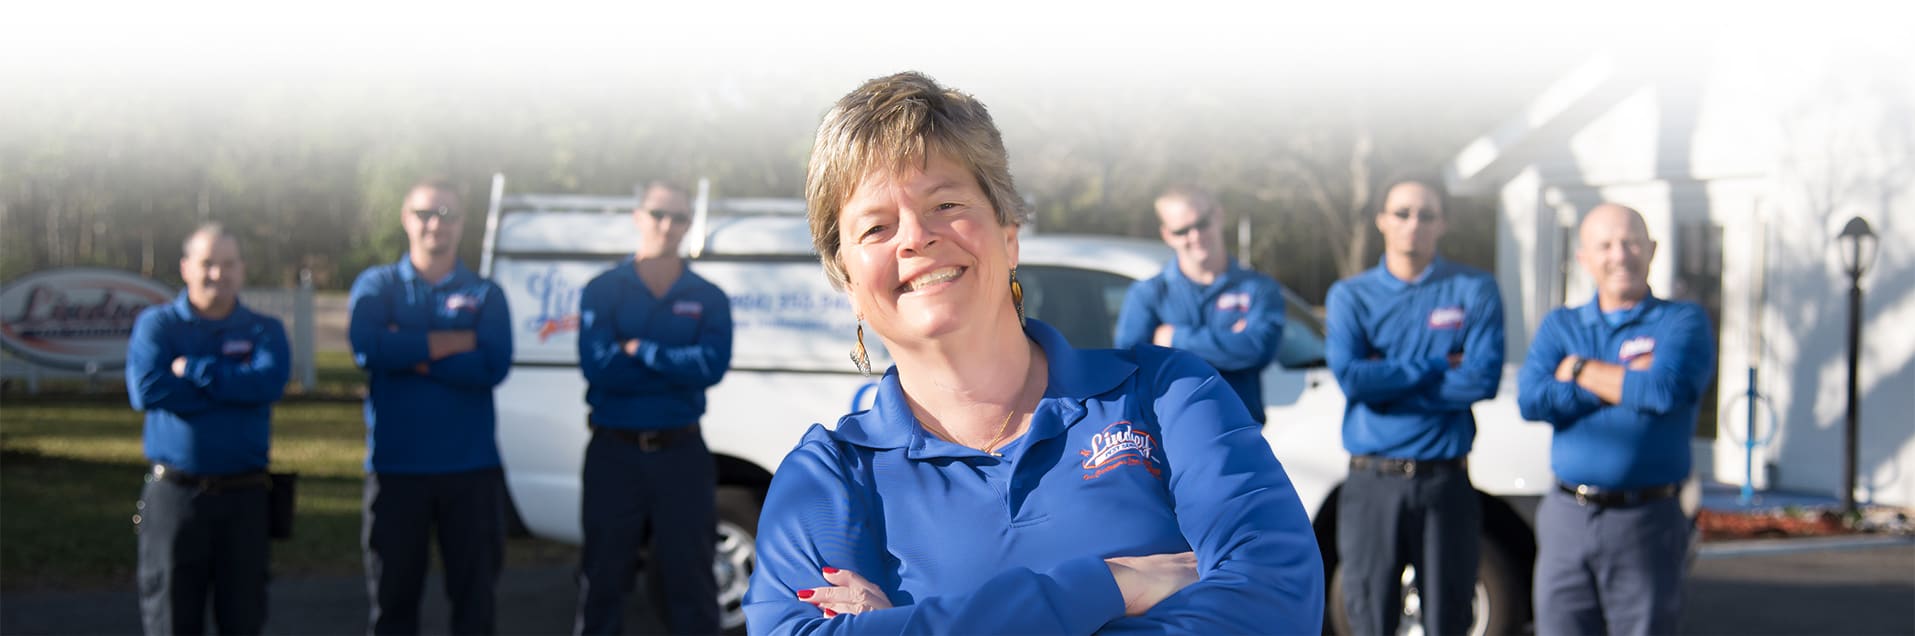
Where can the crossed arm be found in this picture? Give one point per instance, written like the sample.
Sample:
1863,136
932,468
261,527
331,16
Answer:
1656,383
607,359
479,357
1255,566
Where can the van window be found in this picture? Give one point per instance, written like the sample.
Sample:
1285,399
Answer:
1082,304
1302,345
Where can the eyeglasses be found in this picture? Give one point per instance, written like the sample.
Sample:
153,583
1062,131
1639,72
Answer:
680,218
1422,216
1201,223
443,213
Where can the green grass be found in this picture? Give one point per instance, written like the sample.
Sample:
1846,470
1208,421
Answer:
70,473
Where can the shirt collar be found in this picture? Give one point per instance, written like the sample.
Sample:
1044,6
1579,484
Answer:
184,307
1230,271
1393,283
1075,375
628,272
410,274
1591,312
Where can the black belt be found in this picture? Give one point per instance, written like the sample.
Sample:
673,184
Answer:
256,479
1404,467
1592,496
650,440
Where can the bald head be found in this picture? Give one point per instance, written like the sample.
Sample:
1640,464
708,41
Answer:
1608,214
1614,248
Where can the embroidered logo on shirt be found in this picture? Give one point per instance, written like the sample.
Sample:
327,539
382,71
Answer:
1447,317
1120,444
1239,301
236,347
1637,347
688,308
462,302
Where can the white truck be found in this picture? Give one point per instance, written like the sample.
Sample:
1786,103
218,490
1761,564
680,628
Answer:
789,370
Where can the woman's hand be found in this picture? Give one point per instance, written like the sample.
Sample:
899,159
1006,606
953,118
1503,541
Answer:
1148,580
848,594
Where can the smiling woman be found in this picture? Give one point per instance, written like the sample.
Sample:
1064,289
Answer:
1004,481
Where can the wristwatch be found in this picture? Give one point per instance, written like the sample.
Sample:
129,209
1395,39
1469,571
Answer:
1576,369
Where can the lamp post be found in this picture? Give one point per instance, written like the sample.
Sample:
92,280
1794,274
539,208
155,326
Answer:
1857,248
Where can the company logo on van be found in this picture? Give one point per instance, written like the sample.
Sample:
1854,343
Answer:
558,303
71,318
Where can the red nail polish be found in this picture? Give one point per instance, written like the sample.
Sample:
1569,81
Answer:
829,613
831,570
805,593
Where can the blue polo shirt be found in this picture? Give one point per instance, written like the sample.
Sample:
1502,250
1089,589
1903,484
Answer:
216,419
441,421
1643,440
684,347
1205,318
1129,452
1388,342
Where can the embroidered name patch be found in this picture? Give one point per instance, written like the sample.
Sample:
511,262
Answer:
1636,347
236,347
462,302
1446,318
1120,444
1239,301
688,308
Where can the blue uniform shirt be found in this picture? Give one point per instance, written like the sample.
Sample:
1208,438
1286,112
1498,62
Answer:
1388,342
1129,452
684,346
1644,440
216,419
441,421
1205,318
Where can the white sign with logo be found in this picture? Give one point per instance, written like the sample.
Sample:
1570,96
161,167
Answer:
75,318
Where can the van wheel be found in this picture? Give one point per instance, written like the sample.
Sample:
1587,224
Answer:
737,555
1498,604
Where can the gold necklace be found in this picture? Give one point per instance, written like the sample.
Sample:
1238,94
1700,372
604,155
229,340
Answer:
1001,430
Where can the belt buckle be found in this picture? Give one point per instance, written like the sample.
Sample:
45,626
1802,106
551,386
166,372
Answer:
1409,468
1584,494
648,442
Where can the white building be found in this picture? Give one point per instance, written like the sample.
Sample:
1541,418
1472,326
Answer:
1747,160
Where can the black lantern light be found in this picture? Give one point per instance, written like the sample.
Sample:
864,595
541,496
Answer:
1856,244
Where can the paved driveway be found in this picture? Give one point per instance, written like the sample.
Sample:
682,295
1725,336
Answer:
1856,590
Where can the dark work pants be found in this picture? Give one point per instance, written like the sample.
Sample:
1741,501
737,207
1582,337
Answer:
671,489
1609,570
196,544
403,513
1430,520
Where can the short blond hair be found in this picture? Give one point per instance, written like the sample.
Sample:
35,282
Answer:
1198,198
893,124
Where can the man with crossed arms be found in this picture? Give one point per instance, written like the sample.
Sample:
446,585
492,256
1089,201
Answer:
1620,379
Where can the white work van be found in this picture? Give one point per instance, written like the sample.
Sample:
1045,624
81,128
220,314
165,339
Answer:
790,368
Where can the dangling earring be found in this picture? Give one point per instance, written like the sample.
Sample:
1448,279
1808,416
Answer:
1017,296
859,356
